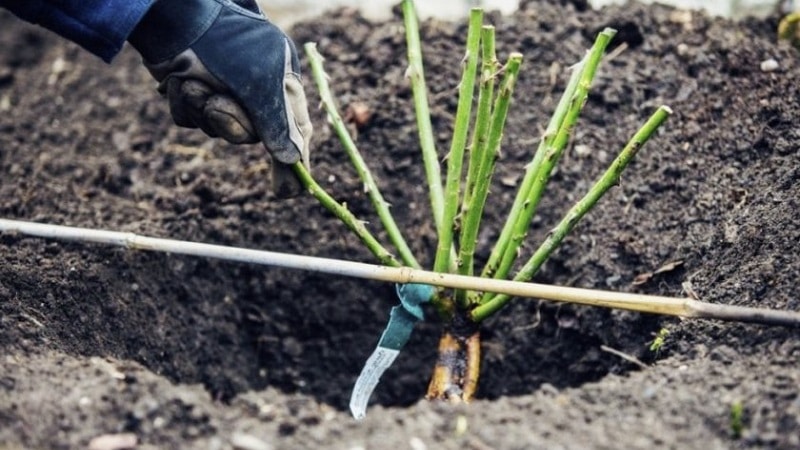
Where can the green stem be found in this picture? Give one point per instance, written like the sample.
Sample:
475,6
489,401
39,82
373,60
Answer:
483,119
474,211
551,156
610,178
521,202
420,91
343,214
456,155
489,68
371,187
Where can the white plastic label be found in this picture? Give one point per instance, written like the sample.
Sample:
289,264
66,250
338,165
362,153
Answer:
378,362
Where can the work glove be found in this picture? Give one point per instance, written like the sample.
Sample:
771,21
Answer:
230,72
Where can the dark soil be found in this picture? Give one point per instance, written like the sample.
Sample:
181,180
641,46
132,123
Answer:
194,353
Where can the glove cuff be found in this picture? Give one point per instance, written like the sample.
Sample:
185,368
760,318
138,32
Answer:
172,26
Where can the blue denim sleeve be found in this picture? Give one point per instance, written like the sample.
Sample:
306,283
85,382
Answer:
100,26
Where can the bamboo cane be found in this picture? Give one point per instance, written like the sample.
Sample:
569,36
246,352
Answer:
683,307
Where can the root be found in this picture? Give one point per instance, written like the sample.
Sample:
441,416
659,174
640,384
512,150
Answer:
455,376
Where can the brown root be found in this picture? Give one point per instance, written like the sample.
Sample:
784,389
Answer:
455,376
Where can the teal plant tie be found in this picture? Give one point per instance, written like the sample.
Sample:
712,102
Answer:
401,323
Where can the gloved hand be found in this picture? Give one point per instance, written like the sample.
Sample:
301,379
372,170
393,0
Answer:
227,70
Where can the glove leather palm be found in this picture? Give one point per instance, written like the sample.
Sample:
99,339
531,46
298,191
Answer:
227,70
